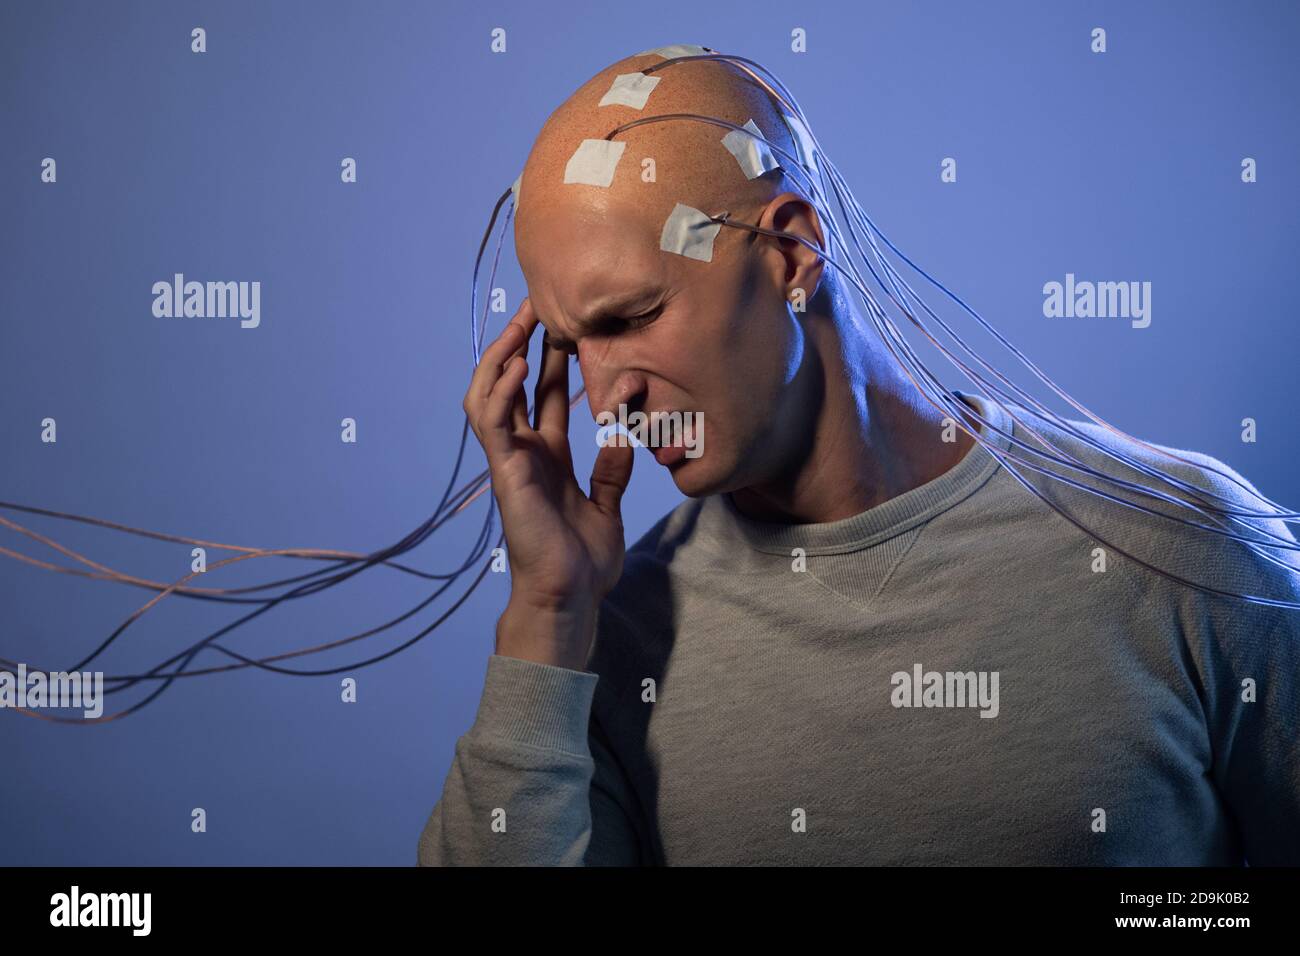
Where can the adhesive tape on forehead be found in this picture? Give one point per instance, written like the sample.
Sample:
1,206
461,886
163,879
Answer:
689,232
630,89
752,153
514,187
675,50
594,161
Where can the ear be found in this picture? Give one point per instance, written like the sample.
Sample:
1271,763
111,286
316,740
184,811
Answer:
792,213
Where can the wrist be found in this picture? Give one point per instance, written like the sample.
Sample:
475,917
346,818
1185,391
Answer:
560,637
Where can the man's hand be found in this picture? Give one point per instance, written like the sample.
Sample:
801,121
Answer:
565,547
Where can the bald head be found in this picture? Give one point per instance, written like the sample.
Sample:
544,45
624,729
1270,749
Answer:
640,176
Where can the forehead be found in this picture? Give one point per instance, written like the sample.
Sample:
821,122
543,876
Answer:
579,256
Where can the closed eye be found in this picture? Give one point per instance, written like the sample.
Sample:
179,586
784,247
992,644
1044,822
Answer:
636,321
613,324
610,325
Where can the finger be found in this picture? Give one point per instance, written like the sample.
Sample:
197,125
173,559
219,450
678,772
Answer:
489,369
513,340
519,407
551,395
610,476
527,318
494,425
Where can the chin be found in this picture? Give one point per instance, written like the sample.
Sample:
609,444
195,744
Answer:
695,479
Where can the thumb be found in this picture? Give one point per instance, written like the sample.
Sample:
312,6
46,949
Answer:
610,475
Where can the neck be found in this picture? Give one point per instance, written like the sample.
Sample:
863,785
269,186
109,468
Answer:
874,436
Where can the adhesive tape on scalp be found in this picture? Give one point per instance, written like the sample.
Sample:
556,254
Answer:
593,162
630,89
677,49
688,232
514,187
752,153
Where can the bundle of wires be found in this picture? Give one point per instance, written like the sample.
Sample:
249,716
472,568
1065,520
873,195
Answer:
851,231
342,566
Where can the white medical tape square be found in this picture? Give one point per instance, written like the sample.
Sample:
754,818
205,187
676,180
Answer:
688,232
630,89
514,187
754,155
677,49
593,162
803,144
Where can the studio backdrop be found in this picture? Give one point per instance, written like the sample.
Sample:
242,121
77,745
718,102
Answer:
333,166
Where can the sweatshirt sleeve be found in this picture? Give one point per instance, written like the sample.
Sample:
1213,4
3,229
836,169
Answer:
1249,659
533,782
1257,739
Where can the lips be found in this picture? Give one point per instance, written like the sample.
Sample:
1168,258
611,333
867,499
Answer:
673,450
670,455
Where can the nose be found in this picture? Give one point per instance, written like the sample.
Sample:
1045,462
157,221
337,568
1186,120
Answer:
608,387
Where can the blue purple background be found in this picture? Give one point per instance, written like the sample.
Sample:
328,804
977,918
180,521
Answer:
225,166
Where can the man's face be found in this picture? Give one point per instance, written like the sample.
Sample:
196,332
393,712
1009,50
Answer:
660,332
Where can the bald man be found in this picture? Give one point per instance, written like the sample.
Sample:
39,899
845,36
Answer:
859,639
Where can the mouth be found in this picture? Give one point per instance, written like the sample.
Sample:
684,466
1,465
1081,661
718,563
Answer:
672,452
670,456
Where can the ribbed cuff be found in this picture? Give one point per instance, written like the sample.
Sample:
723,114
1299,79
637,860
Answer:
536,704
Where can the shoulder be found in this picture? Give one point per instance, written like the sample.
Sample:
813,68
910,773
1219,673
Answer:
1222,497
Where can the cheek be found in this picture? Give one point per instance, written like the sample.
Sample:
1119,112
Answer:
748,379
761,328
767,345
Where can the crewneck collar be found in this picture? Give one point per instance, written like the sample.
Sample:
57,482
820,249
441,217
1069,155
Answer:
889,518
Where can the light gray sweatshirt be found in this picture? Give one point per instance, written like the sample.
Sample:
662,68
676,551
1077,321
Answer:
956,676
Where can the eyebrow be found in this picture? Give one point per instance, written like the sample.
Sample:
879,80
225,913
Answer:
610,309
